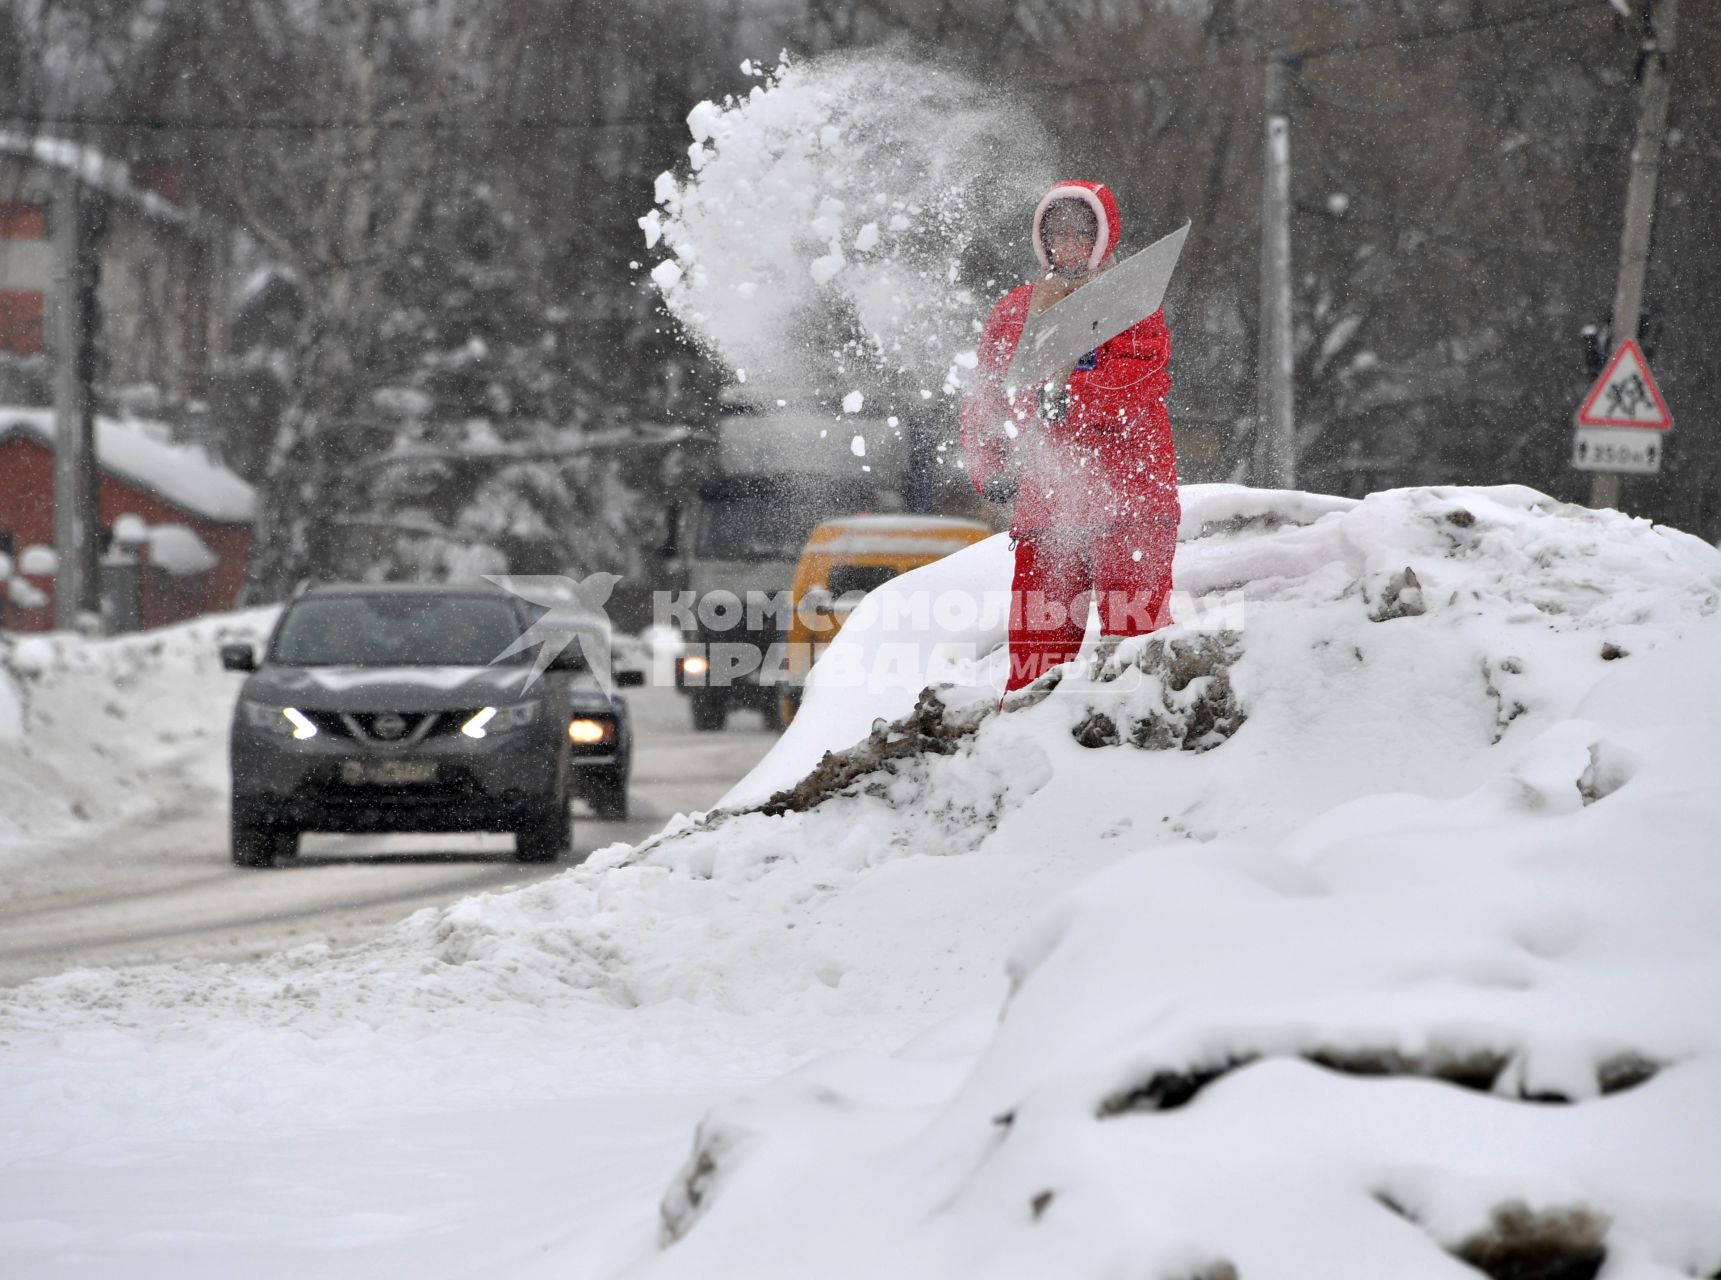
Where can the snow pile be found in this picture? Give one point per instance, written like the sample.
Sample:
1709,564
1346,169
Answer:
94,733
1417,962
1376,929
825,222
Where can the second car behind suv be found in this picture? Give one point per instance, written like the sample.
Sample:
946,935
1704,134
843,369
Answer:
385,708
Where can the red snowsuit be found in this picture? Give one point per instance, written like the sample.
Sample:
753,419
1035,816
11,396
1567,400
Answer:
1096,505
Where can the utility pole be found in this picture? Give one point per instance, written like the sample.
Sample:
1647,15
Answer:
1275,436
1654,67
76,522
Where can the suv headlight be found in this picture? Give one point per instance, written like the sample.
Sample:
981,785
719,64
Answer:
491,720
286,721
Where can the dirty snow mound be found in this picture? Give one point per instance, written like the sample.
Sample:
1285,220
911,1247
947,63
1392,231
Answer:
1406,965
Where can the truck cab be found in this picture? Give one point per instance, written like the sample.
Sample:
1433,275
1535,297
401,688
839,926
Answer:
756,488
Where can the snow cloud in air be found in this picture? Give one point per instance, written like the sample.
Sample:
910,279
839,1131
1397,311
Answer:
840,225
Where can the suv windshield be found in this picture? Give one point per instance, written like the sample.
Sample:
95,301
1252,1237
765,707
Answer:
388,630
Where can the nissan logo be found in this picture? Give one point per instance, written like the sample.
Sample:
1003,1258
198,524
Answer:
388,725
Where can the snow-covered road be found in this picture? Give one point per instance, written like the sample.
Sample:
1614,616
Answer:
164,889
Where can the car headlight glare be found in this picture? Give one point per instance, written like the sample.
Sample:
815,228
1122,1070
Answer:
282,720
589,732
491,720
302,726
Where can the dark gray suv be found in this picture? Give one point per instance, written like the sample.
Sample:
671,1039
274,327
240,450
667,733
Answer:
383,708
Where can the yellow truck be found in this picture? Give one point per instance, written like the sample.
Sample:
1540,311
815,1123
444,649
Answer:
848,557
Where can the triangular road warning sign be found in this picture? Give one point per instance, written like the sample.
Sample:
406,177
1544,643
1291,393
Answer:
1625,395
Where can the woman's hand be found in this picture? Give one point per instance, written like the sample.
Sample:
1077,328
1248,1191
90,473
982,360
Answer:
1053,287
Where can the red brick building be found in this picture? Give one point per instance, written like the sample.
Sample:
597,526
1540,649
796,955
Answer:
183,524
165,269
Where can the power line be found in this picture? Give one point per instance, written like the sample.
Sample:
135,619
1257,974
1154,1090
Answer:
1320,98
452,124
1447,32
1167,72
1296,57
331,124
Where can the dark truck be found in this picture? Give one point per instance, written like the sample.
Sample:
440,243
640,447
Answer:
757,488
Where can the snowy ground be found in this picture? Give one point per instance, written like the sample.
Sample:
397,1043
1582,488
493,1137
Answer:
1407,954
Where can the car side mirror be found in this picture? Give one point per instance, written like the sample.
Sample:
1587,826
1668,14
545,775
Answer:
629,679
238,657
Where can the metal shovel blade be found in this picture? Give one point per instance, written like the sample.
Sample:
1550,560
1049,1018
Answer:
1095,313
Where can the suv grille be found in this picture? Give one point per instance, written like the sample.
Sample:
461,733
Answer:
385,728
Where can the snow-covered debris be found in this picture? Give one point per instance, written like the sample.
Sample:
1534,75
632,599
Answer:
1179,693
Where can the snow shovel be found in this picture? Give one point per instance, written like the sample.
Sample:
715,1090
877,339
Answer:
1097,312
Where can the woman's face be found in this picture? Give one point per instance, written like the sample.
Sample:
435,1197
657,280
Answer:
1070,232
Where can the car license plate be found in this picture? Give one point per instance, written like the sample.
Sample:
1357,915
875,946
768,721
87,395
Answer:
388,773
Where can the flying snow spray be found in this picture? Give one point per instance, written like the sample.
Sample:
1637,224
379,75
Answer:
846,224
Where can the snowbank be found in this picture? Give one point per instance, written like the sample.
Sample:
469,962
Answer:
94,733
1368,927
1412,960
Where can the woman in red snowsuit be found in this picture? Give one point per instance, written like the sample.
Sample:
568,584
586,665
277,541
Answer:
1087,459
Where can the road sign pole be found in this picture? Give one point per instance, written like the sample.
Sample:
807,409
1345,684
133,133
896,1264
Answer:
1276,441
75,513
1640,199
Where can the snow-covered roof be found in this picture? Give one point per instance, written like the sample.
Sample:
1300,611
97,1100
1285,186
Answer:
101,172
179,474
